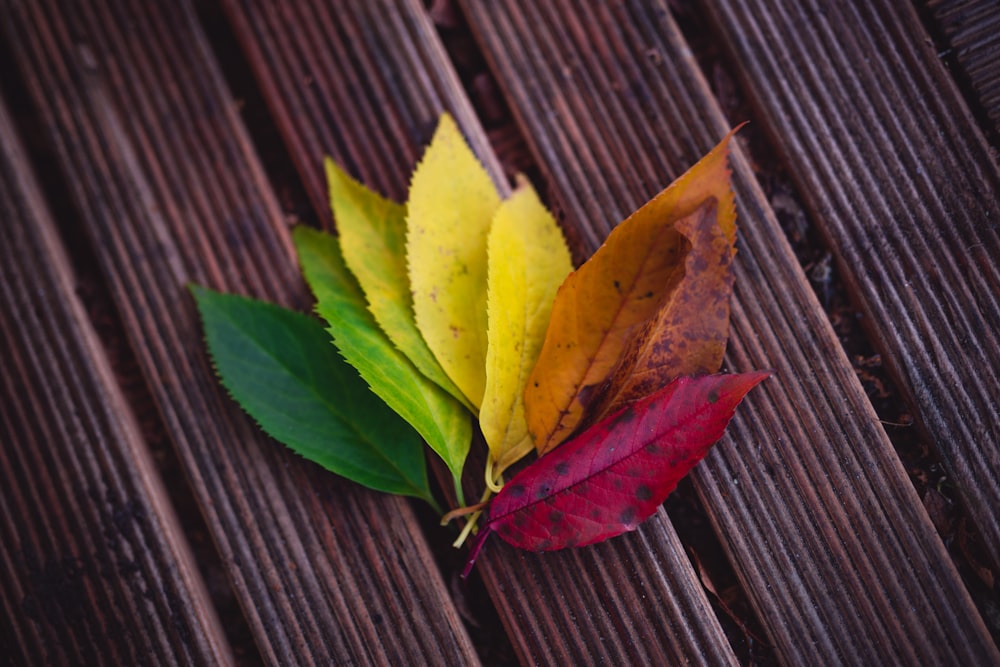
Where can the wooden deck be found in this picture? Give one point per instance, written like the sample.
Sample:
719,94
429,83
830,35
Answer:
130,167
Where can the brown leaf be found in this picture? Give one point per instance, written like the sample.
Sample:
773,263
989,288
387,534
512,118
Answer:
615,315
688,335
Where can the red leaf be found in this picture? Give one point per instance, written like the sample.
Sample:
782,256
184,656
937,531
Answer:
614,475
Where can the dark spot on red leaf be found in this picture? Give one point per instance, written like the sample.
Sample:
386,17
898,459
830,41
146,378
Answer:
555,516
562,468
627,516
643,492
624,417
515,490
713,397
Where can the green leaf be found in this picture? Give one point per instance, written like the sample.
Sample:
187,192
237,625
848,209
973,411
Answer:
442,421
280,367
373,241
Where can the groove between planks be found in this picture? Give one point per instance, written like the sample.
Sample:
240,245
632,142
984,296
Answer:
342,81
902,183
817,515
972,31
170,191
95,568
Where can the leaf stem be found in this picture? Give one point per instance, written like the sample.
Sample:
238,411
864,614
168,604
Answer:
461,511
471,525
459,491
492,476
433,503
477,546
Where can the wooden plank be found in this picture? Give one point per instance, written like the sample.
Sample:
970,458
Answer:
365,81
972,31
898,177
817,515
169,190
95,567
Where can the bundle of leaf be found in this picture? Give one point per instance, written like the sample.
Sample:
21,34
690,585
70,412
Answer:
462,304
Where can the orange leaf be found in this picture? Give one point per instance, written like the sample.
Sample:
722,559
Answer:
613,315
688,335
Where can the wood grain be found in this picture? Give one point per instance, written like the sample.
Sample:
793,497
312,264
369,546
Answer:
95,567
898,177
364,82
167,185
971,29
817,515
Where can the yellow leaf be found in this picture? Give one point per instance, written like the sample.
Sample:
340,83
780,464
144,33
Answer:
373,242
602,306
452,201
528,259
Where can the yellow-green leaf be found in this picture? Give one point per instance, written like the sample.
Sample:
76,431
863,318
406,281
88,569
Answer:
452,201
436,416
601,307
528,260
373,242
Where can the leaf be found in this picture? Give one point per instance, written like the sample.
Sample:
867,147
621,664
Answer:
528,259
437,417
373,241
451,203
601,306
280,367
688,334
613,476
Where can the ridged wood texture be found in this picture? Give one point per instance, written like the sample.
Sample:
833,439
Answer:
95,568
971,29
817,515
170,191
364,81
898,177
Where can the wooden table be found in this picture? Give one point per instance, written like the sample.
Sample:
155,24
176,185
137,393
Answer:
136,498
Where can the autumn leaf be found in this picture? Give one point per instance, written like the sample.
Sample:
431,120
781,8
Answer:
688,334
528,259
613,476
606,316
441,420
372,233
451,203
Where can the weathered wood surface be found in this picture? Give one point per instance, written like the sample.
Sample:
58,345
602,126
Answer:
169,189
828,539
806,491
643,603
95,569
897,175
971,29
